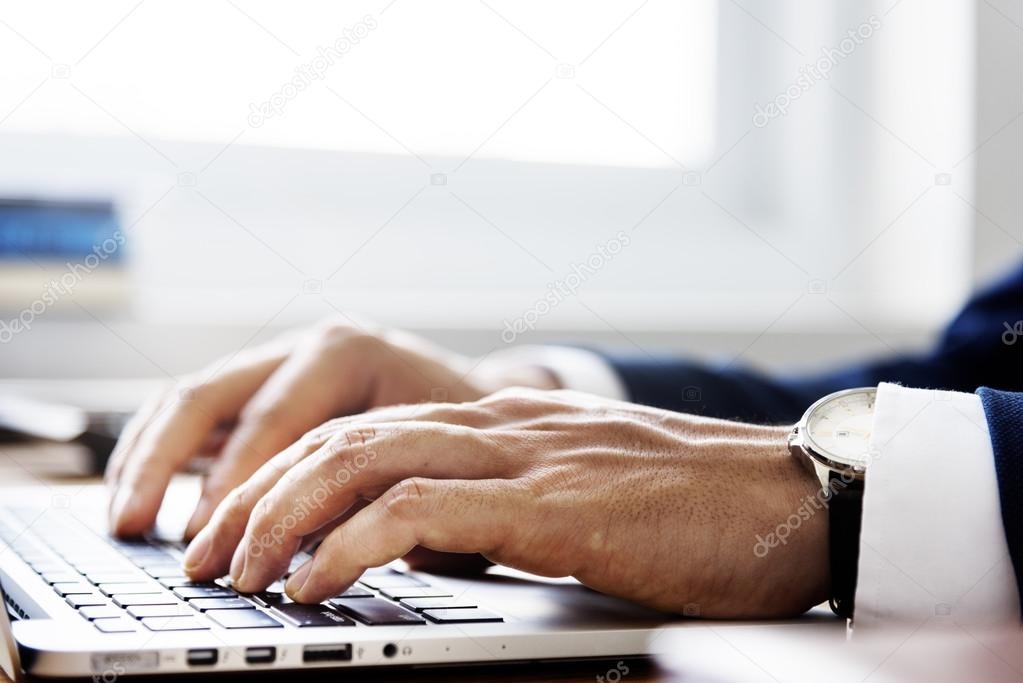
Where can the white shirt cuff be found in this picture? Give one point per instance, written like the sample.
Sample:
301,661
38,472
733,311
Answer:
576,369
932,544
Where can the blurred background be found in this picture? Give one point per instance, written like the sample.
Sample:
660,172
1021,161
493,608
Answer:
775,183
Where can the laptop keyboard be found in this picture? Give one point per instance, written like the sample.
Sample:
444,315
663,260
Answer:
127,586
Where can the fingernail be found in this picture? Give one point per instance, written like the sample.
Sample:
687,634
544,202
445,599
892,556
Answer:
197,552
298,579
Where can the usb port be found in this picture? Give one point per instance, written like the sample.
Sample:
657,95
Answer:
202,657
327,653
260,655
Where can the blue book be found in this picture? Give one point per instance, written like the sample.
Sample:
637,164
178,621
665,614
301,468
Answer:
58,230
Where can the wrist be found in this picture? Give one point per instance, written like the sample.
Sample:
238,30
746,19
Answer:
793,545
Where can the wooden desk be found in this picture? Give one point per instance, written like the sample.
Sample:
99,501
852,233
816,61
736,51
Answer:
22,464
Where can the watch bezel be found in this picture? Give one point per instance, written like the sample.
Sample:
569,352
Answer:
802,438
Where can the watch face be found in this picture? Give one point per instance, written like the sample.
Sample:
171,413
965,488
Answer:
839,427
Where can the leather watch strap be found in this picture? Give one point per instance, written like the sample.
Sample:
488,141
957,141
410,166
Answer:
845,516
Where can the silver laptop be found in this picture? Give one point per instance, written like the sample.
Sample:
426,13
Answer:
84,604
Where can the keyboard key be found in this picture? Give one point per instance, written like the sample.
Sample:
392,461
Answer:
115,577
92,567
398,593
77,601
357,592
419,604
392,580
175,624
376,612
176,581
270,599
100,612
312,615
243,618
127,588
143,599
190,592
61,577
73,588
163,560
179,609
164,570
461,616
115,625
204,604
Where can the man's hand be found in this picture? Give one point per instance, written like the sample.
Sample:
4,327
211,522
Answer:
657,507
254,404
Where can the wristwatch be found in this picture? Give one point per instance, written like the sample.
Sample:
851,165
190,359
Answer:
833,439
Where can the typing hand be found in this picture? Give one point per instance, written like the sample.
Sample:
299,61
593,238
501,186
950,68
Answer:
252,405
657,507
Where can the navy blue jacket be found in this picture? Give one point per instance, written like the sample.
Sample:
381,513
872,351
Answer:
980,350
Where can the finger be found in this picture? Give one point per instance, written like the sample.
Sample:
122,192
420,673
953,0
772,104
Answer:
362,465
209,554
177,431
129,436
321,379
227,524
452,515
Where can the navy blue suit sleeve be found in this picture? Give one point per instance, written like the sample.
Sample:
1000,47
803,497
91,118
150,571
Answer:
973,351
1004,412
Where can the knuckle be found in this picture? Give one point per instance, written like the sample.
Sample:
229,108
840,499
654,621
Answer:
515,401
271,416
345,337
234,508
406,500
261,513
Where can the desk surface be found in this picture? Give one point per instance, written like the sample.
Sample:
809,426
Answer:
24,464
